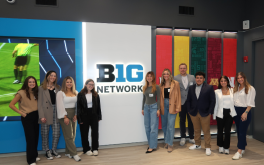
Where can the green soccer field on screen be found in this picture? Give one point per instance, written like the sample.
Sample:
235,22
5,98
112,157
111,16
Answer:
17,61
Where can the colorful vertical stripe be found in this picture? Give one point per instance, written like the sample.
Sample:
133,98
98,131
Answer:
181,55
181,52
229,59
198,60
163,57
213,64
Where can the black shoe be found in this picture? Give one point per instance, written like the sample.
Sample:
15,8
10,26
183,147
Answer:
55,154
147,152
49,155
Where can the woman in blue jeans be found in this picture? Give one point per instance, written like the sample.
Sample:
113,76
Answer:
170,105
244,100
151,110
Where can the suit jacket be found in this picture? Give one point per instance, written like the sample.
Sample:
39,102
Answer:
82,107
184,92
218,110
206,102
174,98
45,109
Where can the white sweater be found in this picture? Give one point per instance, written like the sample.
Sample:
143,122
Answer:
63,102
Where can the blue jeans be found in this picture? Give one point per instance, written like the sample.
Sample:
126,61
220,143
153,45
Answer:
242,127
168,123
151,122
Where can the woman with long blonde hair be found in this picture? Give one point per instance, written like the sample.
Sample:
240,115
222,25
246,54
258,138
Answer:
151,110
67,115
48,113
170,105
244,100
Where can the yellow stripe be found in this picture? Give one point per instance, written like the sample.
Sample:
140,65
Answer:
181,55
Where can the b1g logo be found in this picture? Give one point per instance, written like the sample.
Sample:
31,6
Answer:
106,73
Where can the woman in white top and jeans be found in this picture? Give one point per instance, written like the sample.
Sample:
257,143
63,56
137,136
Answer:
224,112
244,100
67,111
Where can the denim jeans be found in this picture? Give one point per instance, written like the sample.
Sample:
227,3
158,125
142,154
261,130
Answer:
168,123
151,122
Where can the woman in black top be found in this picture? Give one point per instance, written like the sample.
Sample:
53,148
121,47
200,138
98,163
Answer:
48,113
89,114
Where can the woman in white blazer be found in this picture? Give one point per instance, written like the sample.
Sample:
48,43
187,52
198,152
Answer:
224,112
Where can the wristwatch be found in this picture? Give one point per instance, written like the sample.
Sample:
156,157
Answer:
246,112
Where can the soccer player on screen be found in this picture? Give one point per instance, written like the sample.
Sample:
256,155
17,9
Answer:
22,53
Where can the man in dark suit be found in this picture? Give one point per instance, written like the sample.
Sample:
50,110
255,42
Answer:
200,105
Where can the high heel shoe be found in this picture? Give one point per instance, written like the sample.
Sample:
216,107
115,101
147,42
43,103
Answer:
147,152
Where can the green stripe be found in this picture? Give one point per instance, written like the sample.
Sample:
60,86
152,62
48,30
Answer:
198,60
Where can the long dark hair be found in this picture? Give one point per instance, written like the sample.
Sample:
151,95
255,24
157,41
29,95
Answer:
26,88
85,90
227,80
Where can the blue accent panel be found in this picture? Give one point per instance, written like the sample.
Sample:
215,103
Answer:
120,68
12,137
139,74
53,57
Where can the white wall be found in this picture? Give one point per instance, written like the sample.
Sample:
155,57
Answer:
122,121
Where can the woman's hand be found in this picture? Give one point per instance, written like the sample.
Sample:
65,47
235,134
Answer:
74,118
43,120
158,113
142,112
66,121
244,116
81,123
23,114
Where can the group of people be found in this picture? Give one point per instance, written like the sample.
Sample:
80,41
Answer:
52,105
197,101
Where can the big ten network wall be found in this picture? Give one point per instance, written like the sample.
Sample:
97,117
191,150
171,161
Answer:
212,52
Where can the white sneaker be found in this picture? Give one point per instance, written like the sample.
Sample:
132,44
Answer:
243,152
37,159
77,158
182,142
221,150
192,141
227,151
237,156
90,153
194,147
68,155
33,164
208,151
95,152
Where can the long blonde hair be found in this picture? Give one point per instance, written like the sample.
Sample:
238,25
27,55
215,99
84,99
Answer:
162,77
45,81
246,83
64,88
147,83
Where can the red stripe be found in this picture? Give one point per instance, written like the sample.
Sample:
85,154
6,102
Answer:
213,64
163,57
229,57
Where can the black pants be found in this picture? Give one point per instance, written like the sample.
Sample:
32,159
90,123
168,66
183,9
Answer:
31,129
89,120
224,124
183,114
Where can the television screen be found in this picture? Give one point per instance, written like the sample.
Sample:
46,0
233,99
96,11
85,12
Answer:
22,57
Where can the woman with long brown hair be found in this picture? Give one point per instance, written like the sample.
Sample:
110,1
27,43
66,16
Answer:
151,110
48,113
67,115
170,105
27,98
89,114
244,100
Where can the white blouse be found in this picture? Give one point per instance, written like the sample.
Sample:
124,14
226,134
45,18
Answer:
89,99
223,101
241,99
63,102
227,101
